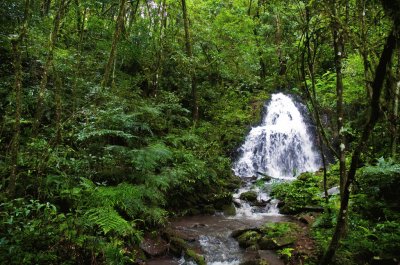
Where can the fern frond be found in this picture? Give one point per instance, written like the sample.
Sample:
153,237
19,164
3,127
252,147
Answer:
108,219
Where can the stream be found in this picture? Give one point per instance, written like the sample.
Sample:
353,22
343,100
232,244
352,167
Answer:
277,150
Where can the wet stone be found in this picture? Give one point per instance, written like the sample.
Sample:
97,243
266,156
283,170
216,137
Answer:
249,196
154,247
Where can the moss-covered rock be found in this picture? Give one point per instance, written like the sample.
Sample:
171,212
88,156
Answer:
249,196
267,243
248,239
199,259
229,210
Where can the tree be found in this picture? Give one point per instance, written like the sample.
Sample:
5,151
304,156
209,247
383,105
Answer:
373,117
117,33
61,8
189,54
15,143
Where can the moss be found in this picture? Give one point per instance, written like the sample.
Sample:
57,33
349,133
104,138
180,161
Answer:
229,210
248,239
199,259
250,196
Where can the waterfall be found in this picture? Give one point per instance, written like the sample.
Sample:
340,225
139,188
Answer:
280,146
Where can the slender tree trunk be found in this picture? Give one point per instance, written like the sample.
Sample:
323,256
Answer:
160,50
256,17
46,69
338,44
117,33
396,108
364,49
312,95
374,114
189,53
14,152
58,84
133,13
80,23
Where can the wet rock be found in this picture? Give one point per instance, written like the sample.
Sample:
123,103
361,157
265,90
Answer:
270,257
237,203
261,203
154,247
266,243
250,179
249,196
209,209
229,210
168,233
265,177
199,259
250,257
280,204
193,211
333,191
198,225
235,182
238,232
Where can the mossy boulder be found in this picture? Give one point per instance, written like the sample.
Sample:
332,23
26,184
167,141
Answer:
248,239
229,210
269,236
266,243
199,259
249,196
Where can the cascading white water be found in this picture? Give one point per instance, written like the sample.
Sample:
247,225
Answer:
281,146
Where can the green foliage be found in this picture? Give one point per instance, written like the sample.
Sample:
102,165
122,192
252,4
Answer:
299,193
34,233
285,253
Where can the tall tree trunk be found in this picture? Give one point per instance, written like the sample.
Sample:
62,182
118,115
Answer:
57,98
189,53
338,44
374,114
117,33
132,14
43,84
14,152
312,95
396,108
364,48
80,24
160,50
256,18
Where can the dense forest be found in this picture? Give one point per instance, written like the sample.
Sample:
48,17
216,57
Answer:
117,115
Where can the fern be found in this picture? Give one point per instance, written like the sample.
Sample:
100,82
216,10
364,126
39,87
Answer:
148,158
108,219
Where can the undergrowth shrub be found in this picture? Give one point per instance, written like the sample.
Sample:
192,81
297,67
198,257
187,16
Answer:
299,193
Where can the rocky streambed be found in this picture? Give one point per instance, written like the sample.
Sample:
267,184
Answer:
254,233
